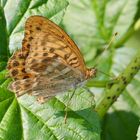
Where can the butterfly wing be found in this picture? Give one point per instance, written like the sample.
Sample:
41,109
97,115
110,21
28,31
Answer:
50,85
16,66
47,40
53,59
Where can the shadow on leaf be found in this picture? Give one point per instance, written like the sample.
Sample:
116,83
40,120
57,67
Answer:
120,125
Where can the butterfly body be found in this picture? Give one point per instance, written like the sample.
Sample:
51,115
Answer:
48,63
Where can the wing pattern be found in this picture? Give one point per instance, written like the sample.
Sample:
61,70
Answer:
51,62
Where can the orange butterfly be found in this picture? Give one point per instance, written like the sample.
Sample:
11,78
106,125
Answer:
48,63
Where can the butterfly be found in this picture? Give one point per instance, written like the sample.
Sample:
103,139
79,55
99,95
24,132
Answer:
49,62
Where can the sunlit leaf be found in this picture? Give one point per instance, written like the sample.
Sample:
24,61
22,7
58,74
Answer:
4,51
96,21
25,116
123,118
138,134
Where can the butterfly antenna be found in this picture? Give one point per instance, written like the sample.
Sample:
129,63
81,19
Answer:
66,109
110,42
108,75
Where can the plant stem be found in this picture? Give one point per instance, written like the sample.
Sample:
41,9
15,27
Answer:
93,83
112,93
102,84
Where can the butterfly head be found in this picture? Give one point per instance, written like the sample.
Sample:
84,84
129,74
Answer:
91,73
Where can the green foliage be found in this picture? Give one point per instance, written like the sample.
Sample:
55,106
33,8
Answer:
93,32
91,24
123,118
96,21
138,134
22,9
29,119
4,51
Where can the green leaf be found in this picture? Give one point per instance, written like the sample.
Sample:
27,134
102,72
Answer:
10,121
2,76
92,23
29,119
33,120
21,10
5,95
4,51
138,134
5,83
120,125
95,31
3,2
3,65
123,118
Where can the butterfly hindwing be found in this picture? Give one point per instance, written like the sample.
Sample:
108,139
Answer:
50,83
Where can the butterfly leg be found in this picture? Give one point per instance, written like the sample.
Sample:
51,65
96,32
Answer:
66,108
42,99
89,91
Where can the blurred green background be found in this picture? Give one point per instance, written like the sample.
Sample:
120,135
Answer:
91,24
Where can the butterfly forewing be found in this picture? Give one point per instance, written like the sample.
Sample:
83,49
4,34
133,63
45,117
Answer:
48,40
